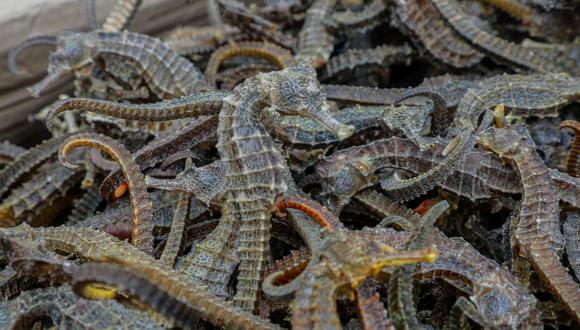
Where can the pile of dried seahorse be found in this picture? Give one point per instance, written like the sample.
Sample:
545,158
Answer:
312,164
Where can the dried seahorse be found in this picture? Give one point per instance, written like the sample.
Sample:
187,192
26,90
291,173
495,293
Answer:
27,161
300,131
277,55
409,120
459,264
440,115
206,183
573,161
151,290
98,246
455,152
315,43
339,263
252,160
384,55
350,170
167,73
523,95
537,233
421,20
287,274
554,314
39,199
502,49
66,310
118,18
463,267
452,88
316,297
341,180
141,215
192,105
481,175
193,133
264,169
401,305
181,314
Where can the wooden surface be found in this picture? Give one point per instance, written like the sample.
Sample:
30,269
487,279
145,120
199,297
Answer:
24,18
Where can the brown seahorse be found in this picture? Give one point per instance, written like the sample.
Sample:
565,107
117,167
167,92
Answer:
256,170
166,73
537,232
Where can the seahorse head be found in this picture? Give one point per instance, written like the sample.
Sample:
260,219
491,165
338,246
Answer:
72,49
503,141
72,52
296,91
